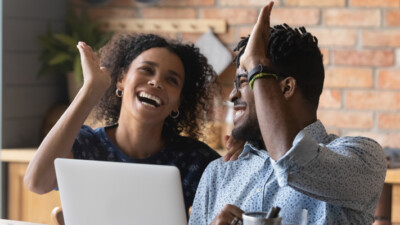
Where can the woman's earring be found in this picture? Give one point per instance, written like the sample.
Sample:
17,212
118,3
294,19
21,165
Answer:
174,115
119,93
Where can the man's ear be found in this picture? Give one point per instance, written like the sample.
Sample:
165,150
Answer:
288,87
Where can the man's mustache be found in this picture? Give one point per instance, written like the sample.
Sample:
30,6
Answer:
239,103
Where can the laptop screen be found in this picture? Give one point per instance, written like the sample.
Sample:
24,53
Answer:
104,193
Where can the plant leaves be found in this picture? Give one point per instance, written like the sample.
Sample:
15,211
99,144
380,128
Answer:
67,40
59,53
78,70
59,58
103,40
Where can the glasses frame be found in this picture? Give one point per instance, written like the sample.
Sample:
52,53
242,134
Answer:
237,80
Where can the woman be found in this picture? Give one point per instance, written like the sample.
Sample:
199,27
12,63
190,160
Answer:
150,90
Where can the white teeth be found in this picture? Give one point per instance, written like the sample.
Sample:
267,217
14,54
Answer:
238,113
145,103
149,96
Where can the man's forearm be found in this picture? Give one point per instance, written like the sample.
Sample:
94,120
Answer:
277,124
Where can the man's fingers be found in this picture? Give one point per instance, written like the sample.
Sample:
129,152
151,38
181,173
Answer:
233,210
263,18
263,23
265,13
227,215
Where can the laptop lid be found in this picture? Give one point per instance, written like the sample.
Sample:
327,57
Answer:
105,193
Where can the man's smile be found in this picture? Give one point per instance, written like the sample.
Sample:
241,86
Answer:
239,108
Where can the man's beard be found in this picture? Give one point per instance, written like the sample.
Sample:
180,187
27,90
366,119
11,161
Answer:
249,131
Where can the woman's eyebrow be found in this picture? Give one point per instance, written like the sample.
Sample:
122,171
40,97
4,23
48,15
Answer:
150,63
175,74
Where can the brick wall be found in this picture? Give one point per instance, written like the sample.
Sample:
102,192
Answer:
360,41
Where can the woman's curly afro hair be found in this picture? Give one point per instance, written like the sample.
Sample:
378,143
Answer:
197,92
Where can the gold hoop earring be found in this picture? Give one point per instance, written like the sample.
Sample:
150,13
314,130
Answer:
119,93
174,116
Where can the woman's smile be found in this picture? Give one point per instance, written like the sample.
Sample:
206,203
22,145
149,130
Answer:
149,99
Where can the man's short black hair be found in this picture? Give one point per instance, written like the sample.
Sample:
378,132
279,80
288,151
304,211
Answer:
294,53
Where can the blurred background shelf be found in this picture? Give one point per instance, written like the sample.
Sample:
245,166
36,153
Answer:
22,204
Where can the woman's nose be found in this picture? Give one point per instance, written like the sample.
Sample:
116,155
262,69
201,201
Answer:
155,83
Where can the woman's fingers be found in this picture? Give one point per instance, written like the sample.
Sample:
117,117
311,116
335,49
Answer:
234,147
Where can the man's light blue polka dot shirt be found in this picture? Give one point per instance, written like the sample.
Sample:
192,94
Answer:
338,180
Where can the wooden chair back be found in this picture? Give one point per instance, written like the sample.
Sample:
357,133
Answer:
57,216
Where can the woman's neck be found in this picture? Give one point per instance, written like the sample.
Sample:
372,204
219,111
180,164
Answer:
138,140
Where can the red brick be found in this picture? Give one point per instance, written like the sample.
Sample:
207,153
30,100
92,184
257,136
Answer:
372,100
330,99
348,77
246,3
231,15
389,121
335,37
398,57
363,57
326,56
295,16
168,13
317,3
392,18
374,3
98,13
333,130
335,118
226,38
227,77
244,31
352,17
124,3
391,139
389,79
186,3
381,38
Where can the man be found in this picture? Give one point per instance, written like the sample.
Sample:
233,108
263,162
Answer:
289,160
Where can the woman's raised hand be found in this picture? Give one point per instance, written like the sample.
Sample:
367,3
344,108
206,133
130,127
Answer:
93,75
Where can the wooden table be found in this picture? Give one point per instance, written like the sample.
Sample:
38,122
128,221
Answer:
18,160
393,177
14,222
22,204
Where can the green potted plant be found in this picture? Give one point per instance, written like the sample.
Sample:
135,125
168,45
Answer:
59,53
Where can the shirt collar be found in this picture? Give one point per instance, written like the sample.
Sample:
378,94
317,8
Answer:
250,149
316,130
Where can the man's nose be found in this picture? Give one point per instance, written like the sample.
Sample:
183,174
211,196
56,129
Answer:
235,94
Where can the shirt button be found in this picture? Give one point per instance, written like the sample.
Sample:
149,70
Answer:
259,190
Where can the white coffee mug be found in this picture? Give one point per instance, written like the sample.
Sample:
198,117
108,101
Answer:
260,218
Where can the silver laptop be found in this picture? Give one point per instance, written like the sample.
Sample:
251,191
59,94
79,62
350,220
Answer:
113,193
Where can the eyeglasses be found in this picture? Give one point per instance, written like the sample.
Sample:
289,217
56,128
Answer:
240,81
